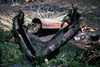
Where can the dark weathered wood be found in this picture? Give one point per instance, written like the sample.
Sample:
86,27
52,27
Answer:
50,46
59,38
57,41
26,44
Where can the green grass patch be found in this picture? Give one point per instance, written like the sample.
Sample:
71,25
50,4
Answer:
10,53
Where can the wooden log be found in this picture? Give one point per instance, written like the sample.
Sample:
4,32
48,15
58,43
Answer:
50,46
59,40
26,44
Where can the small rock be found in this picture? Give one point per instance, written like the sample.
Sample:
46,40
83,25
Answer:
46,61
77,38
82,37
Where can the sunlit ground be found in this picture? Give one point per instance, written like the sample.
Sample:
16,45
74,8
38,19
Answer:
6,17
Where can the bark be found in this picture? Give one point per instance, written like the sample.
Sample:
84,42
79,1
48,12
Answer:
59,39
25,43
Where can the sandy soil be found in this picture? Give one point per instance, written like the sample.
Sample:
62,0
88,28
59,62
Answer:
89,9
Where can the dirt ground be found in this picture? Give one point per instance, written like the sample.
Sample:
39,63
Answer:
89,9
